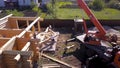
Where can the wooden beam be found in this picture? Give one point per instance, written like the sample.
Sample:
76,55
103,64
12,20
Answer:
50,66
9,45
38,26
14,52
28,28
25,48
59,61
27,23
17,24
17,57
33,29
26,18
6,17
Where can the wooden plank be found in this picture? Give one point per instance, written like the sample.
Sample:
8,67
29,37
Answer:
25,48
12,24
33,29
59,61
17,58
26,18
48,39
50,66
6,16
38,26
3,41
27,23
9,33
17,26
9,55
8,45
14,52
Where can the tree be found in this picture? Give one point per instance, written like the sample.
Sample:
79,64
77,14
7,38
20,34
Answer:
14,12
35,8
98,4
114,4
53,8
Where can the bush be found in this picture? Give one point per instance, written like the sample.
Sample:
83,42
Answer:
98,5
114,4
35,8
90,5
14,12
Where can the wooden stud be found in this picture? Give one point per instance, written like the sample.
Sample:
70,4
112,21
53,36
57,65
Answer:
17,26
38,26
33,29
27,23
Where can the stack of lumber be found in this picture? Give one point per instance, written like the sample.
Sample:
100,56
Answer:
10,62
48,40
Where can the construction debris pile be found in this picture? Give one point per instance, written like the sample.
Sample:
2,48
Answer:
47,40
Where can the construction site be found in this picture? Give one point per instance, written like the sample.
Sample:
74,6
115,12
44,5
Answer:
35,42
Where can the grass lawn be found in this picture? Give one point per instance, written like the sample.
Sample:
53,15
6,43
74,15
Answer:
107,13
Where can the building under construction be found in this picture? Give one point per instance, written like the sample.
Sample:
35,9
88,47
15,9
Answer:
32,42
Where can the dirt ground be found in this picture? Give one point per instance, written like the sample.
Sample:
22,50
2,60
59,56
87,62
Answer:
67,57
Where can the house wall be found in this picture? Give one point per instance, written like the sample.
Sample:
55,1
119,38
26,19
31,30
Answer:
24,2
10,0
35,1
45,1
2,4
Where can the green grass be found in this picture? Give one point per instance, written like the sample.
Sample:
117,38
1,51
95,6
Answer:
107,13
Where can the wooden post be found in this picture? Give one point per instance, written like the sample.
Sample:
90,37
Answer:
17,24
27,23
38,26
33,29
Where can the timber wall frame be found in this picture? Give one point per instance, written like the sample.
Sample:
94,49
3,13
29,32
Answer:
13,22
16,44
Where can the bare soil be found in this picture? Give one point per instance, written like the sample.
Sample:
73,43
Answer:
69,56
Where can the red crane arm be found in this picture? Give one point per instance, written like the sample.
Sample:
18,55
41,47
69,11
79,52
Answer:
94,20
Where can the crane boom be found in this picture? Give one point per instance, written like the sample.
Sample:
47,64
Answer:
94,20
